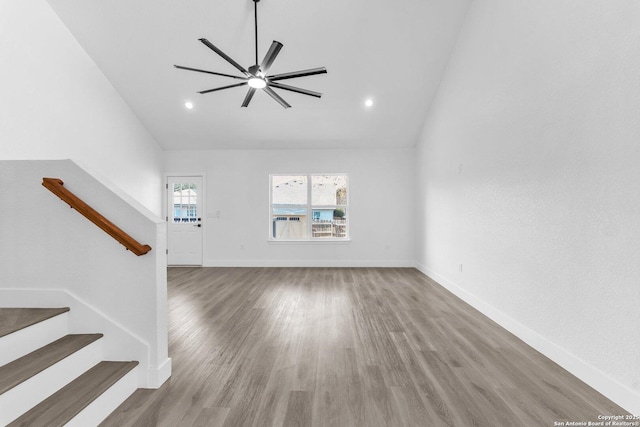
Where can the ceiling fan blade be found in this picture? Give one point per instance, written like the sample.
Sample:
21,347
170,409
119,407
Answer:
247,99
225,56
294,74
277,97
295,89
223,87
270,56
208,72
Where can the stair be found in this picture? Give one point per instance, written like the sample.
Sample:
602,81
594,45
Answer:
49,377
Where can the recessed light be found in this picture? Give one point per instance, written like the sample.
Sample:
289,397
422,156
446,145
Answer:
188,105
368,102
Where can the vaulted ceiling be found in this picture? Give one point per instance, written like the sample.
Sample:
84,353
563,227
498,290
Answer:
393,52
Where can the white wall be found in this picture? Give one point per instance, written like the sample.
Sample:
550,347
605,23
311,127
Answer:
56,104
237,184
47,246
528,177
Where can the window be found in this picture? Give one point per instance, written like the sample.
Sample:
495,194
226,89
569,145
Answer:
185,201
308,207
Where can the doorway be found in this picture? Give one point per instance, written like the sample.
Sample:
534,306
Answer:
185,200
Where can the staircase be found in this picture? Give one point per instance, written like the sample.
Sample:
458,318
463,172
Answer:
49,377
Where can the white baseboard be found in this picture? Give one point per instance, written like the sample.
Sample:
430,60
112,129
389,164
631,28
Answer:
309,263
157,376
617,392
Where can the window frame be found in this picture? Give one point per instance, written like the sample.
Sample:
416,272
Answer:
309,211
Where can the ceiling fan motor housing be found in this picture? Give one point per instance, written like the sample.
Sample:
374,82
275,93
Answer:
255,69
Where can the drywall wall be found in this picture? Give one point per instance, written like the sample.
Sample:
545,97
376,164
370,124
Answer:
528,201
46,246
237,185
56,104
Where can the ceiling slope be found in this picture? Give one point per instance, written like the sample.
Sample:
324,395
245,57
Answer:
392,52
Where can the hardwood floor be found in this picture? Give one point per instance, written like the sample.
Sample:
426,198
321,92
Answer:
16,372
58,409
14,319
346,347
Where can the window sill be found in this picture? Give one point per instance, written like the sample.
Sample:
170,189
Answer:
310,242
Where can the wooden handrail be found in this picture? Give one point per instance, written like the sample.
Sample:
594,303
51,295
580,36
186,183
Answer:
56,186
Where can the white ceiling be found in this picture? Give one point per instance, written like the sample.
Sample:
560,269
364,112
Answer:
392,51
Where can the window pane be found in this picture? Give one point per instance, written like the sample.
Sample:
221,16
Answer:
288,190
328,190
340,222
185,202
289,223
329,223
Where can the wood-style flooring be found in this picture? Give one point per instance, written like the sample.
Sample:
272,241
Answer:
346,347
59,408
16,372
15,319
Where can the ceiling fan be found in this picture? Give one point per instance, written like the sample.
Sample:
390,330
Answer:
256,75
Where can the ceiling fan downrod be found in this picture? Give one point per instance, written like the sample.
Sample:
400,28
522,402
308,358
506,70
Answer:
255,15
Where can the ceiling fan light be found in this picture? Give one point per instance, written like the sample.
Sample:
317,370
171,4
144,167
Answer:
257,83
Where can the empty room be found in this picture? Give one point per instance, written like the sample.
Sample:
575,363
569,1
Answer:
284,213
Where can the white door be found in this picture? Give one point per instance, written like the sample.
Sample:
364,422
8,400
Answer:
184,220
